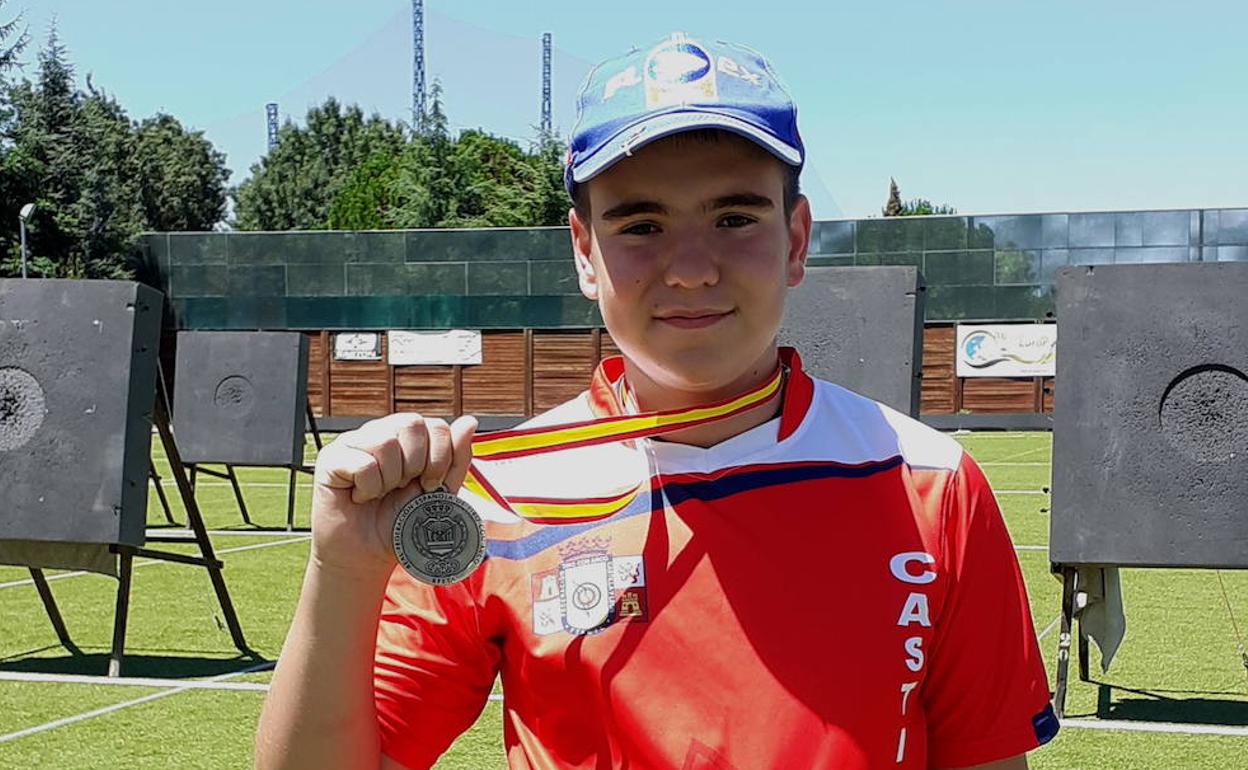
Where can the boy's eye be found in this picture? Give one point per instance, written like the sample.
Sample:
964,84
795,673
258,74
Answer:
735,220
640,228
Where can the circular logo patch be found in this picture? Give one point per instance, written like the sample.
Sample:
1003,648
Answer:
678,63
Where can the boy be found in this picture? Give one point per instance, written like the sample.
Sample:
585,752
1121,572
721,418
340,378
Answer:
809,580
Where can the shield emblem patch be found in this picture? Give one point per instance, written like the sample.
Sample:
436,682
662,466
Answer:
586,594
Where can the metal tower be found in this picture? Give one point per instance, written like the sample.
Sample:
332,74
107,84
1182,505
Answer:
270,113
546,123
418,65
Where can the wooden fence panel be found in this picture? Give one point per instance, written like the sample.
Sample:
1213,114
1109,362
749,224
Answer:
316,362
994,395
360,388
563,363
937,383
496,387
429,390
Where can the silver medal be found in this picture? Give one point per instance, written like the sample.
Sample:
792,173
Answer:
438,538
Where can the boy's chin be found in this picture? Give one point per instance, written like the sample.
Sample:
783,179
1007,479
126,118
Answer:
696,371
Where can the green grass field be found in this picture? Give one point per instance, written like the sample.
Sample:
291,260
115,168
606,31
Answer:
1178,665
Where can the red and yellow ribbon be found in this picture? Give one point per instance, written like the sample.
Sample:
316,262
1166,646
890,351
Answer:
534,441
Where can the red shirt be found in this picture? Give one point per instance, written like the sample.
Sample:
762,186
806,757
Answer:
834,588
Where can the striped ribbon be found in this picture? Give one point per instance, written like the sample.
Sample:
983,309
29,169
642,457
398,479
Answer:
535,441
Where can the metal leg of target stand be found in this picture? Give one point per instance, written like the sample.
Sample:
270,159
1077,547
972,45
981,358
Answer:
1083,654
312,426
123,612
196,522
290,501
238,494
160,493
1063,643
54,614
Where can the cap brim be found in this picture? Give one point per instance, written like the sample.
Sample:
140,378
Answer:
637,135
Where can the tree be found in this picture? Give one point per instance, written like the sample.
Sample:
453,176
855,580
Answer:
97,180
428,179
182,177
916,207
12,42
10,51
294,185
44,160
367,197
893,207
107,216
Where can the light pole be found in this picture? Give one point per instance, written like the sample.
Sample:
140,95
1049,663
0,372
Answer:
22,216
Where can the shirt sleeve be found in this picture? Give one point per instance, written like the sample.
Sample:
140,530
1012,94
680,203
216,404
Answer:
986,695
433,670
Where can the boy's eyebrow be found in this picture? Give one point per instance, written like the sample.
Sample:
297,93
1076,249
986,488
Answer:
735,200
630,208
744,199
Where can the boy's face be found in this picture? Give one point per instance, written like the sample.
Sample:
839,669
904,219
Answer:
689,256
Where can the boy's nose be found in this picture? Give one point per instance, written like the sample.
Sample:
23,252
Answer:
692,264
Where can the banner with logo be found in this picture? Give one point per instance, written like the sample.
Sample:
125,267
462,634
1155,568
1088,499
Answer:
456,346
1007,350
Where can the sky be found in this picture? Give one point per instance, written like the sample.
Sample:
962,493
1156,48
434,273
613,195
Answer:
989,106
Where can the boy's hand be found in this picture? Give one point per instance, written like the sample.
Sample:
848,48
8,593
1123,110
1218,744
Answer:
365,476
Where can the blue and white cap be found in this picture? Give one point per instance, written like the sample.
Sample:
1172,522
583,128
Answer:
680,84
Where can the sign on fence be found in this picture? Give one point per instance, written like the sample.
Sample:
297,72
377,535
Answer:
456,346
357,346
1007,350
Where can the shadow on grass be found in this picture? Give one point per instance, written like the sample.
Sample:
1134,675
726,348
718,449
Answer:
1155,706
1199,711
146,666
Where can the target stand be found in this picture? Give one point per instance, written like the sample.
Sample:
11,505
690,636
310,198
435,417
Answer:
229,475
240,400
862,328
78,399
1150,440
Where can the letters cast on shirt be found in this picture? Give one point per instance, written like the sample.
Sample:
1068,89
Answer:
910,567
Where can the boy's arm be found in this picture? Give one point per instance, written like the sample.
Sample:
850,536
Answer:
320,710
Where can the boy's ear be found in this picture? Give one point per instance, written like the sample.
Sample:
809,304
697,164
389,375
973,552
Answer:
799,241
582,250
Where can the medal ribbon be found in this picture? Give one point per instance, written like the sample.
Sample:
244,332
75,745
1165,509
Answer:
527,442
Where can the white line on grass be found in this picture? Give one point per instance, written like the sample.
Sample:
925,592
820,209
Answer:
1020,492
243,484
1153,727
136,681
258,533
1031,548
997,434
1035,464
181,687
129,681
225,533
1048,628
1023,453
149,562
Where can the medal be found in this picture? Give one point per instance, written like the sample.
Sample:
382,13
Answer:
438,538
